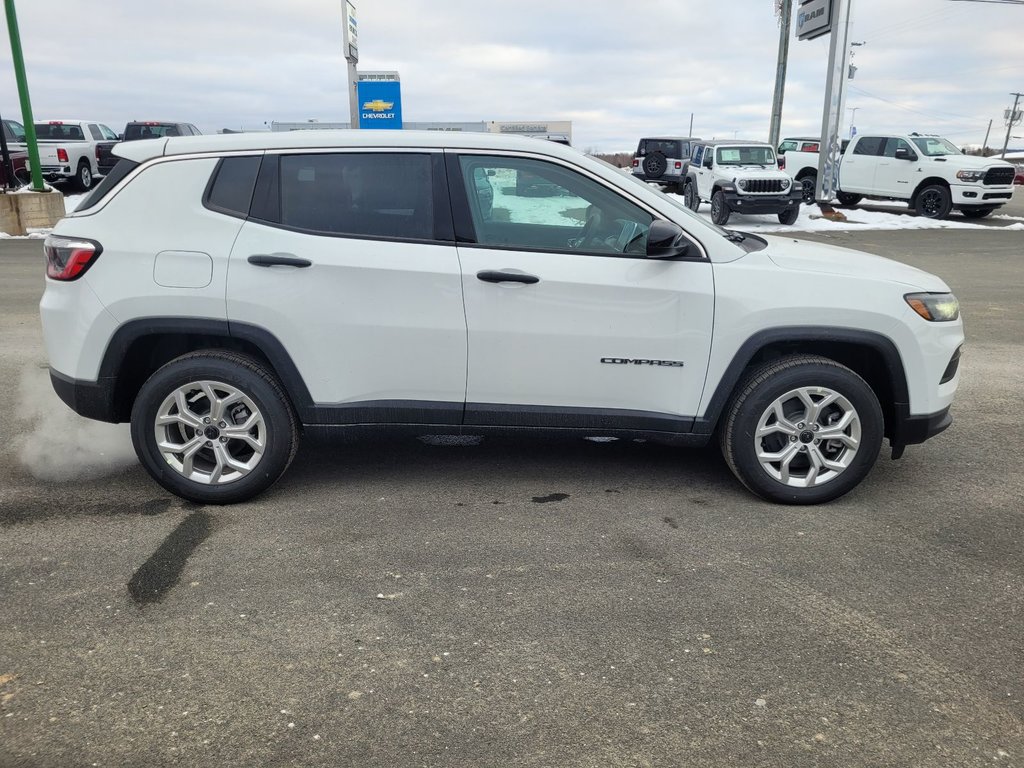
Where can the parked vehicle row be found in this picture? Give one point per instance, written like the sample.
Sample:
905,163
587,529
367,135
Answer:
79,151
928,172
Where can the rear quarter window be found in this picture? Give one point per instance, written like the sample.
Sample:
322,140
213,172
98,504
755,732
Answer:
119,171
231,185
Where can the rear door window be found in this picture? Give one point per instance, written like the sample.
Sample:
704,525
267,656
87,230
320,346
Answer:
869,145
667,147
94,130
374,195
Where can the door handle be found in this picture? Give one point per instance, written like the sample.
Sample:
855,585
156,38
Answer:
497,276
278,260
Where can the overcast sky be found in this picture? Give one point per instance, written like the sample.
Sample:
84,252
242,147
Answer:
618,70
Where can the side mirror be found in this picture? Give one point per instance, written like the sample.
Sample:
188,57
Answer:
666,240
120,137
905,154
708,161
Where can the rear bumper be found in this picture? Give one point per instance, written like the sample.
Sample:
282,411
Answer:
665,178
91,399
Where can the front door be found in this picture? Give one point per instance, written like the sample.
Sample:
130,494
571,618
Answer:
570,325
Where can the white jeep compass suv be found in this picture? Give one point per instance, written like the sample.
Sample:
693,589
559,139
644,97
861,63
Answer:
227,293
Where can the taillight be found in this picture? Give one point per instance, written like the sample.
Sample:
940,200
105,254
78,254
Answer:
782,162
67,258
636,163
97,154
62,155
678,165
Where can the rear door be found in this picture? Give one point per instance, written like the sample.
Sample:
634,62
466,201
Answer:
570,325
347,259
857,167
895,178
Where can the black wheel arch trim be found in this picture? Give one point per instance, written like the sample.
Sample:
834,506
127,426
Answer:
707,423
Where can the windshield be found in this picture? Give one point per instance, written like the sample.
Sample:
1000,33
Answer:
934,146
745,156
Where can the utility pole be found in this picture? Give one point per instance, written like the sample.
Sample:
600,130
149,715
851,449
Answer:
26,105
984,144
1014,118
691,125
785,20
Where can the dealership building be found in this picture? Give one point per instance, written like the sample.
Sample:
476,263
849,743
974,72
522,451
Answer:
515,127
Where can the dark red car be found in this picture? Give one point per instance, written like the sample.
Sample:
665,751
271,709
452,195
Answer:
19,161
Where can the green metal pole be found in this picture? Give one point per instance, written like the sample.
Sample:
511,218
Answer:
26,104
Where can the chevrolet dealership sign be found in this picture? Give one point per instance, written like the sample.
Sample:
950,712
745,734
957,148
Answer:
380,104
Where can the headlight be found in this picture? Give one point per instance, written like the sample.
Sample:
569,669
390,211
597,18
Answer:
935,307
970,175
744,184
785,183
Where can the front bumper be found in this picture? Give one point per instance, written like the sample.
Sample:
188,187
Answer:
773,203
967,195
912,430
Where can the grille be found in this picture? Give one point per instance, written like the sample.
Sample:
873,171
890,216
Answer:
999,176
763,186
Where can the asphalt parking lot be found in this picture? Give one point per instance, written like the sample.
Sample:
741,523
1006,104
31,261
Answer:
514,603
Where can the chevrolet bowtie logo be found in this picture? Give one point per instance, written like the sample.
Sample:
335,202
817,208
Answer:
378,105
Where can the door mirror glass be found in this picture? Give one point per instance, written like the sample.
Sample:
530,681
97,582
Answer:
666,240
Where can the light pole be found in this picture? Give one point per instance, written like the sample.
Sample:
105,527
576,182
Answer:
26,105
853,121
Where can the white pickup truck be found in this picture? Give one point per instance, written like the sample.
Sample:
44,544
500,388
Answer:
74,150
929,172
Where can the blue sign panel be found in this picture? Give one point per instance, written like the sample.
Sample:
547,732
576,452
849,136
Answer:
380,104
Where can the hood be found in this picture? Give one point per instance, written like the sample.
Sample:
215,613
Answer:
964,162
802,256
752,171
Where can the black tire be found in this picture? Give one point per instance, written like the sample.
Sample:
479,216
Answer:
690,196
83,176
934,202
655,165
976,213
719,208
845,198
809,186
245,375
773,381
790,215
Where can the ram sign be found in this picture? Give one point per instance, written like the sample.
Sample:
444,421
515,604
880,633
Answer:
380,104
813,19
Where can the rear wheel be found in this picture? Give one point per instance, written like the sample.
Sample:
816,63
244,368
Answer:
719,209
934,202
214,427
802,430
845,198
83,177
976,213
809,185
690,196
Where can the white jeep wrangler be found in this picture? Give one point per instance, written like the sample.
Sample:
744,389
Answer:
227,293
740,177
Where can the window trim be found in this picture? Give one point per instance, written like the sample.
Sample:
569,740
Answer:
465,231
269,174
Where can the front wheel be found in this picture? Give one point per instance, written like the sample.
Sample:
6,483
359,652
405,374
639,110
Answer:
976,213
719,209
790,215
690,196
802,430
214,427
934,202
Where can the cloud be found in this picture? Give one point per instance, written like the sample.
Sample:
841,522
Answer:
618,70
